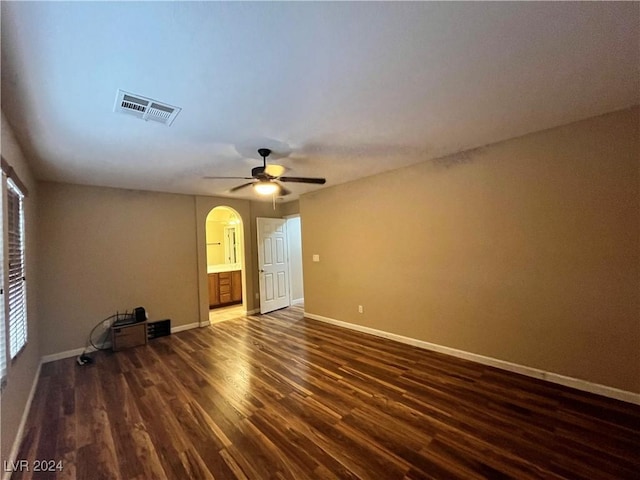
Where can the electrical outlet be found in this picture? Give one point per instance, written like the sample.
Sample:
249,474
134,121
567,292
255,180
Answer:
316,257
360,309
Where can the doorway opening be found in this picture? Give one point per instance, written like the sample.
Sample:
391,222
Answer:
225,263
279,244
294,244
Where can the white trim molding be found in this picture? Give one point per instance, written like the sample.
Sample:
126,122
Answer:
576,383
73,353
66,354
188,326
11,459
78,351
251,312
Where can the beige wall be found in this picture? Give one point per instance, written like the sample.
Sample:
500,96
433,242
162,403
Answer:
22,371
104,250
289,208
215,243
525,251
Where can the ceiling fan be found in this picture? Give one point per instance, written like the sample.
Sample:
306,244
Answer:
264,178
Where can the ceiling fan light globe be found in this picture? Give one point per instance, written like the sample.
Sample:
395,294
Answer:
265,188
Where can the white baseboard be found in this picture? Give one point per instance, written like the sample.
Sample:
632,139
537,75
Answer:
576,383
182,328
72,353
60,355
11,459
77,351
251,312
297,301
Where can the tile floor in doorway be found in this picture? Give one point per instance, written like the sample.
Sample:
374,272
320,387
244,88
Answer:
218,315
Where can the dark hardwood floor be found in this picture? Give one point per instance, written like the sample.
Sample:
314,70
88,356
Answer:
282,397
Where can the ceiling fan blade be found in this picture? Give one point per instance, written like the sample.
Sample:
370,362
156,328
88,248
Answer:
235,189
319,181
228,178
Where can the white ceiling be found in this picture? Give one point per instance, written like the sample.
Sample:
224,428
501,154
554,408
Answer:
340,90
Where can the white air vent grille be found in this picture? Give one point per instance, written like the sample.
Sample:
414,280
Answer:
145,108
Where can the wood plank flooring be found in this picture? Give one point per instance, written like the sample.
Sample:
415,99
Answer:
281,397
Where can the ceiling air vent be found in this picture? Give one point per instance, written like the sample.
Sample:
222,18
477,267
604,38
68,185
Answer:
145,108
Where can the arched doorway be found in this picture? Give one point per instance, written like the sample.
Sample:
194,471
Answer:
225,263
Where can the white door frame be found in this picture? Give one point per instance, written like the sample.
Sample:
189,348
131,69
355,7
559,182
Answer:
227,246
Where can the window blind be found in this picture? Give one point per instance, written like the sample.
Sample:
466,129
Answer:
17,292
3,341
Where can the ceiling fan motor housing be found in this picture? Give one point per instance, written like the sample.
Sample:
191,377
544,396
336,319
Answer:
257,172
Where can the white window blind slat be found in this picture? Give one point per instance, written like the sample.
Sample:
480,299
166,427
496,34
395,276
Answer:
16,293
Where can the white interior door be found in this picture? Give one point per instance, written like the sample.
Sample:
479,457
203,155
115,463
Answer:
273,266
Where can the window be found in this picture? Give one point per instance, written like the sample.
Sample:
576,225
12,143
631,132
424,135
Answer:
17,292
3,349
13,287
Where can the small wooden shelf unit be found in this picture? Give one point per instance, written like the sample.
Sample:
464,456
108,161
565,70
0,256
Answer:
127,336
